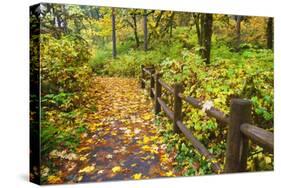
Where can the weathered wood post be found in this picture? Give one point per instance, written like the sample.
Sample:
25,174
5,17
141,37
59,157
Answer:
158,88
177,106
142,77
237,144
152,83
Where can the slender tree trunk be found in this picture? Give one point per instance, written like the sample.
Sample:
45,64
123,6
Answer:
64,20
54,16
171,24
207,37
136,30
202,23
270,33
145,30
202,34
114,52
238,32
197,25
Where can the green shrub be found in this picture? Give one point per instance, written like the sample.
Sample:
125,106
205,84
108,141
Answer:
247,74
99,60
65,75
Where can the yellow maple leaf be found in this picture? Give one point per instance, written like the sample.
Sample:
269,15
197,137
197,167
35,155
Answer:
116,169
137,176
54,179
87,169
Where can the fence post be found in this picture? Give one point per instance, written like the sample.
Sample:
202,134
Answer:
177,106
237,144
142,77
152,82
158,89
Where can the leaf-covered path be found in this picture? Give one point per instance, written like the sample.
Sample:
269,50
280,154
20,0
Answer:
123,142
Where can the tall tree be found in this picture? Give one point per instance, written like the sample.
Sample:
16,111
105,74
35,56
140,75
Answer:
64,18
131,20
114,51
197,20
145,30
171,24
238,20
207,37
270,33
204,25
135,27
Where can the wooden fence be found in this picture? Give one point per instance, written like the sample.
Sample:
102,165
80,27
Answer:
238,121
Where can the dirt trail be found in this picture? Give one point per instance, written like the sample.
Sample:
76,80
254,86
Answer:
123,142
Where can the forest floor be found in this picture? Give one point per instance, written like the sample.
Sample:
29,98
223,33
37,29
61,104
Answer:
123,142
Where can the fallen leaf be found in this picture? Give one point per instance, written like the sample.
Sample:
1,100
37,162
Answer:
82,158
137,176
54,179
146,148
147,116
79,178
45,171
207,105
87,169
137,131
145,139
116,169
109,156
170,173
84,148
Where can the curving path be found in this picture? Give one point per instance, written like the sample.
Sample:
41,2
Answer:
123,142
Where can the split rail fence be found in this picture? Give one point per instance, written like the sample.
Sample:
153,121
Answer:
240,130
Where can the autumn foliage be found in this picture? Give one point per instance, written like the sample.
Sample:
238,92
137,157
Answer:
96,123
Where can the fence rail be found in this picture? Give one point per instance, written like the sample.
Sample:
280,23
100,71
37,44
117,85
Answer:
240,130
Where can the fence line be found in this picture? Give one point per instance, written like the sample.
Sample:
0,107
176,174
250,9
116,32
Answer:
240,130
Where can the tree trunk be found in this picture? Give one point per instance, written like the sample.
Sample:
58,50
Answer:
238,32
64,21
145,30
114,53
270,33
202,23
171,24
136,30
197,24
134,16
207,37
